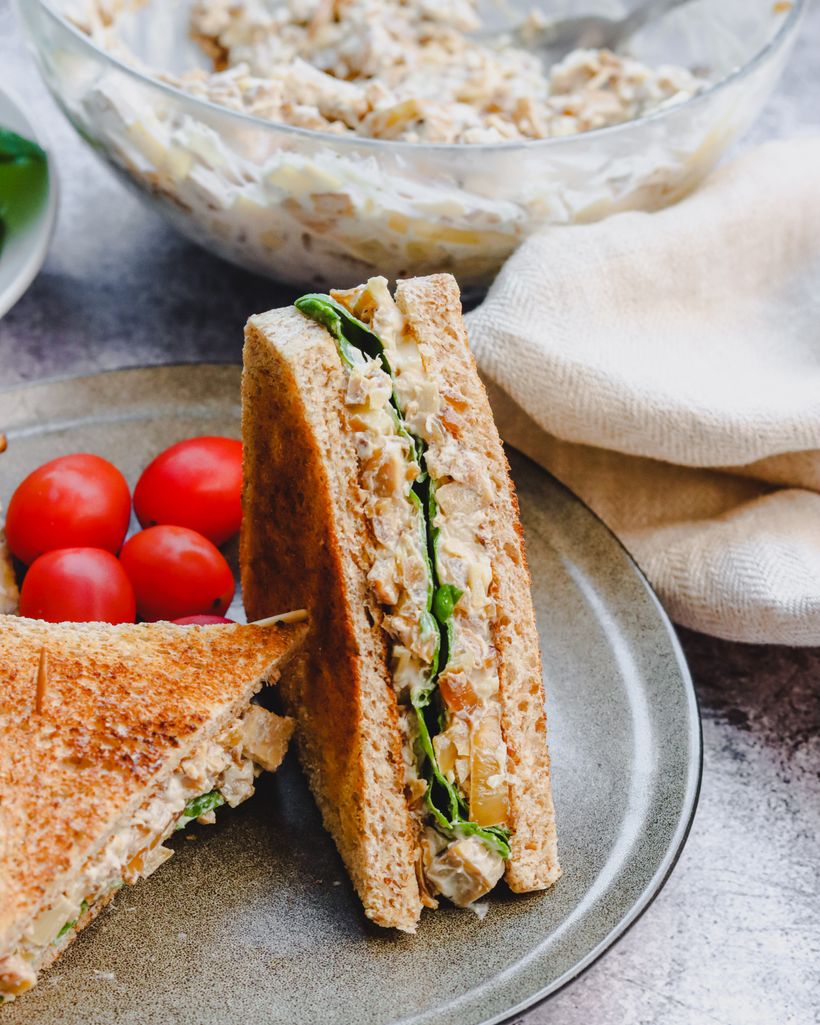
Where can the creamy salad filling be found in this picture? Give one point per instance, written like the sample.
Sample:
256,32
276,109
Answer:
221,771
427,503
412,70
415,70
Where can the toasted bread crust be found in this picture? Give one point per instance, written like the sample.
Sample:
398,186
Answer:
304,536
120,708
432,310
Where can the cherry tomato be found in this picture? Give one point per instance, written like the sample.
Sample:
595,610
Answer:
78,585
177,572
78,501
201,620
195,483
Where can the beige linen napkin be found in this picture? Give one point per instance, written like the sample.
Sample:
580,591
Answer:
666,366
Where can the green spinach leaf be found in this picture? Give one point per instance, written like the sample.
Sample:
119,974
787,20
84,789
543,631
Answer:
70,925
199,806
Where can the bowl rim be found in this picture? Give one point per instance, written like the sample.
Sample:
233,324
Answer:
783,35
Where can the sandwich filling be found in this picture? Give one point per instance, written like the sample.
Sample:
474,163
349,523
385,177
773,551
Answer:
221,771
431,586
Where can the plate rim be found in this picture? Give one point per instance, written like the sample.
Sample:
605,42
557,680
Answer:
691,793
694,747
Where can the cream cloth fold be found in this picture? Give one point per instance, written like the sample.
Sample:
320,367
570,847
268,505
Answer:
666,366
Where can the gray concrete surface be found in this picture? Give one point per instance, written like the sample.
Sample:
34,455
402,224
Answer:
734,938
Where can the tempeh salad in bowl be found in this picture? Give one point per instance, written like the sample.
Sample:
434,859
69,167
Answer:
318,140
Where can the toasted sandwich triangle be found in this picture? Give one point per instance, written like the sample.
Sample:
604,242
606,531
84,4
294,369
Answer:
93,720
303,482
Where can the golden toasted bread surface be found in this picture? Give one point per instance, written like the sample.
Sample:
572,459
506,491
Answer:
92,718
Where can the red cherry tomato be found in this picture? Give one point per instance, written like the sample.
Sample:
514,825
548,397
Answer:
201,620
195,483
78,585
177,572
78,501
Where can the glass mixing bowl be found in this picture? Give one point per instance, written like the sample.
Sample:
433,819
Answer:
317,209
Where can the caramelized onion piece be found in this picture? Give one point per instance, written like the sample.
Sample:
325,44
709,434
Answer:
488,785
457,691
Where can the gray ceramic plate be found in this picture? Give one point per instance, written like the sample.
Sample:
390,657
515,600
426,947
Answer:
254,921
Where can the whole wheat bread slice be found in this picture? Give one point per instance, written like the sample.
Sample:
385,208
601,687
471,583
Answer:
304,536
432,311
87,740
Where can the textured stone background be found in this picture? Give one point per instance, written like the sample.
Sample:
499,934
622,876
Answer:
734,938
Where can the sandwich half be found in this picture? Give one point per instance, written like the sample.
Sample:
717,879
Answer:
111,738
377,493
9,595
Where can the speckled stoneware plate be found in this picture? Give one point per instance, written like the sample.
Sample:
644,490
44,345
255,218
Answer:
254,921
